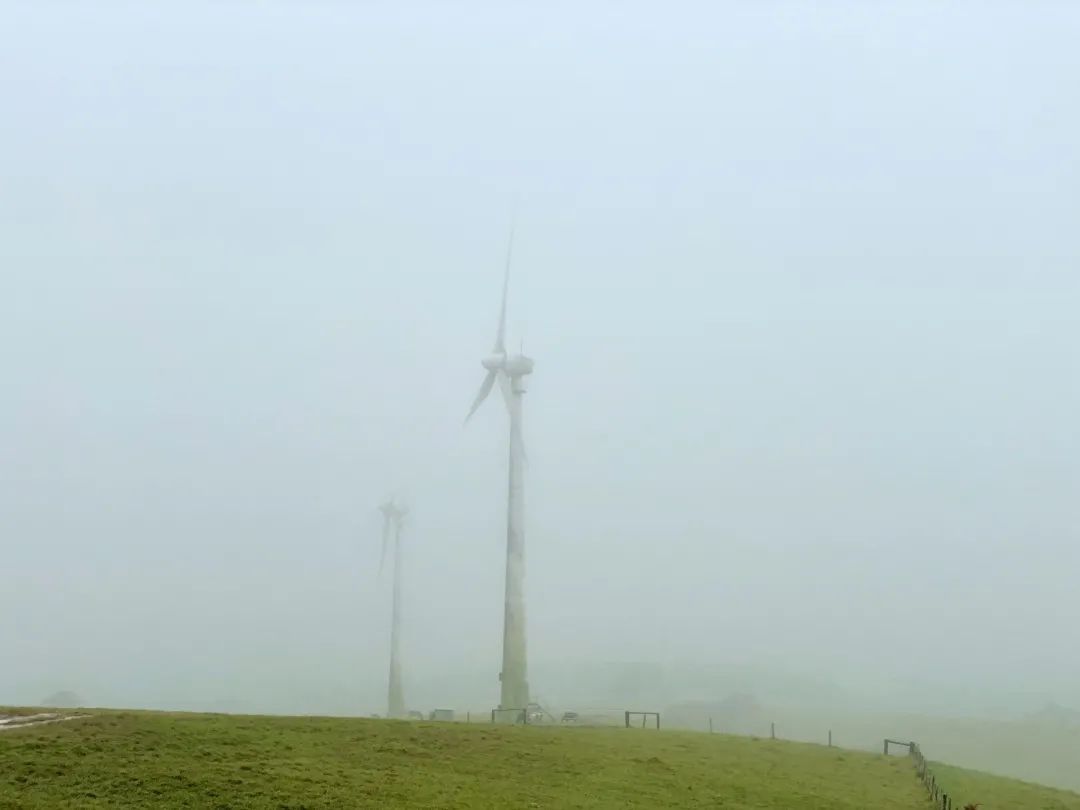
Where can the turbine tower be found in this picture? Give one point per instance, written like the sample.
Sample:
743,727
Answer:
510,371
393,518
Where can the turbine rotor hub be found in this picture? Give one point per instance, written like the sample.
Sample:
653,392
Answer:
494,362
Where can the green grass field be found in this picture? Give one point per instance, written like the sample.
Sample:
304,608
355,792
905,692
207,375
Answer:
1034,752
147,759
996,793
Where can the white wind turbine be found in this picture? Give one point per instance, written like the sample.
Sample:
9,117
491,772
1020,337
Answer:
393,518
510,372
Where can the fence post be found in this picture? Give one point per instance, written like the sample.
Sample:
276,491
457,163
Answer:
830,738
628,719
772,730
710,725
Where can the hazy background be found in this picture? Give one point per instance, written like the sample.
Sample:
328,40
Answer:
800,280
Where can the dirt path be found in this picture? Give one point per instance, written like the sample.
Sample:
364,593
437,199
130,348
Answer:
10,722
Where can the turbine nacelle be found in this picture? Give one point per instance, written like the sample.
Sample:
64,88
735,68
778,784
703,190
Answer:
516,365
391,510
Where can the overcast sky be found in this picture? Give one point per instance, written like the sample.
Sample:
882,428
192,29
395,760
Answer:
801,282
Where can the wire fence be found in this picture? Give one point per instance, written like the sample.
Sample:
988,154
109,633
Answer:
937,792
938,795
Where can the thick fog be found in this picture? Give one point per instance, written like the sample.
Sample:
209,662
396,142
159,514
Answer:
801,283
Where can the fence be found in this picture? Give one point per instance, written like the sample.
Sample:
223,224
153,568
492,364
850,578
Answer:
538,716
910,746
772,733
517,715
644,717
940,798
937,793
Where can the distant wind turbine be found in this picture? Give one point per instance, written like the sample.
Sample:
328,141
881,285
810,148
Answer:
510,371
393,518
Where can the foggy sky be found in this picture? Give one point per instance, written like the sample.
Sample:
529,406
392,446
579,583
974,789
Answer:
800,282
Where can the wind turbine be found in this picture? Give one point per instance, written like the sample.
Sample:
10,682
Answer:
510,371
393,518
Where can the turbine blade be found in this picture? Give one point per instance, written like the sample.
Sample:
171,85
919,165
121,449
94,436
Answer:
500,336
481,395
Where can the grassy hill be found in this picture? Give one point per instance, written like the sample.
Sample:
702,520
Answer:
1041,753
997,793
147,759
